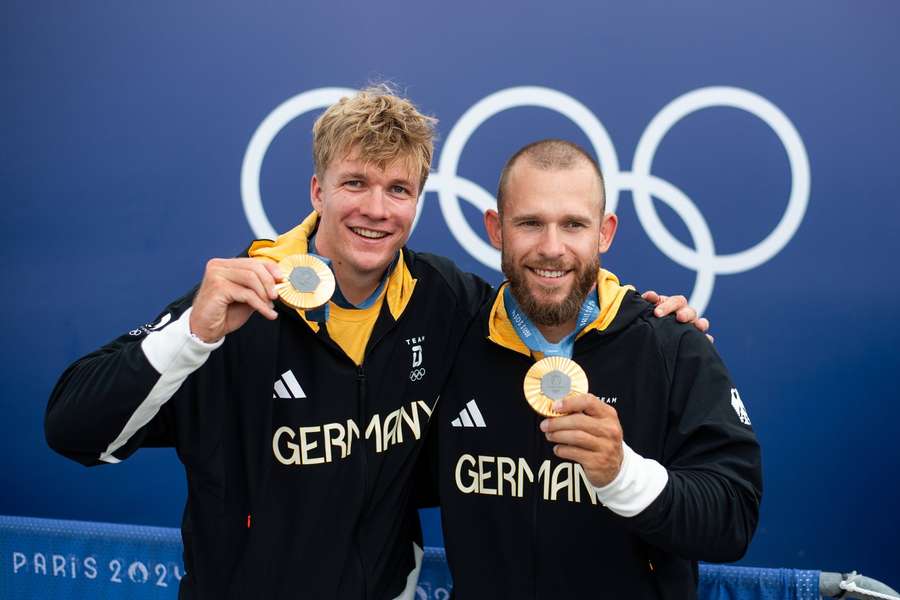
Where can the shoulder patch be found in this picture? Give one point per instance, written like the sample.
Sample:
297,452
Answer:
738,407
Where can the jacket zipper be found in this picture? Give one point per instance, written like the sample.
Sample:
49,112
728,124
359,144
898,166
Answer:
361,387
361,398
361,402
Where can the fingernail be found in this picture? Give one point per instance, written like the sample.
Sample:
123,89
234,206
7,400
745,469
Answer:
544,425
658,312
558,405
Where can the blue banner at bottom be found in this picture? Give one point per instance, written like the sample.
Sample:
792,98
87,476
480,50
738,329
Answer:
75,560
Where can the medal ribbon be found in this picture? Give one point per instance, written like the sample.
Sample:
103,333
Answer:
320,315
532,337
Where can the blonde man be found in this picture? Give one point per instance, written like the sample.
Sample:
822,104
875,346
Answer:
298,430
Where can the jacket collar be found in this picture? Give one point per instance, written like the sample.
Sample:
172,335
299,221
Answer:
400,282
611,293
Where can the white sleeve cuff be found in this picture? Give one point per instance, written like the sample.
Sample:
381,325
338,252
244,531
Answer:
639,482
174,347
174,353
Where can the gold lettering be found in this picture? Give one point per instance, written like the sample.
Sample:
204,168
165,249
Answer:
544,477
504,475
337,440
524,470
306,446
466,489
425,406
375,425
336,436
391,425
582,477
484,475
561,483
352,430
295,449
412,420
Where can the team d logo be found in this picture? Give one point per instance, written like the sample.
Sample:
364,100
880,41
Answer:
417,371
739,407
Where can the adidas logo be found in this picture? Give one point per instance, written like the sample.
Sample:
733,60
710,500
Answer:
293,389
469,416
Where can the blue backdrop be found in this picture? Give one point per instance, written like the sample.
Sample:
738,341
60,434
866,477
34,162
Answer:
751,152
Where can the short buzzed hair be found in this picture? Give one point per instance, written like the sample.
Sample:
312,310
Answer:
551,155
384,127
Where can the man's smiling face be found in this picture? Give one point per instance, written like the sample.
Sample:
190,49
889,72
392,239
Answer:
550,239
366,213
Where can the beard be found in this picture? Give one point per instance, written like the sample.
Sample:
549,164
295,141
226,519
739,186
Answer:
551,313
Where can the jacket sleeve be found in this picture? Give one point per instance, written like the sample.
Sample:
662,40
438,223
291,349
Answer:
112,401
469,290
708,508
470,293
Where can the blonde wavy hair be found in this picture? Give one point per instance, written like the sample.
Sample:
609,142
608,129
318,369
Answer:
383,126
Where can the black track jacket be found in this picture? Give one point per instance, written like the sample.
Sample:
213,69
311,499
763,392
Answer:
520,523
298,462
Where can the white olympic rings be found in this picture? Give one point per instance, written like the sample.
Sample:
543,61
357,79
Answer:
450,187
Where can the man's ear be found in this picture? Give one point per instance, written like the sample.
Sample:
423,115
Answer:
492,225
315,194
608,231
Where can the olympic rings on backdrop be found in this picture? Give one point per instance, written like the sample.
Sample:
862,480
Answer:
450,187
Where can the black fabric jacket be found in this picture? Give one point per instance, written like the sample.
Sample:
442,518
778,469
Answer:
520,523
293,490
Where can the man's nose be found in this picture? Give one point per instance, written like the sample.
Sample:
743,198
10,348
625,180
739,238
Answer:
374,203
550,244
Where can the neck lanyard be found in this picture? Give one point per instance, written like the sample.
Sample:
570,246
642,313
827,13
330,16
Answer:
532,337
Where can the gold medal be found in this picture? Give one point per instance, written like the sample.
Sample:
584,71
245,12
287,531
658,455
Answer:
552,379
308,282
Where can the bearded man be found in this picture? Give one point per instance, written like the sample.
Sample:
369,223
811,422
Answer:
625,485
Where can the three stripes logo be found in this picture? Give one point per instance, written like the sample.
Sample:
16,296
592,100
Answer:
469,416
287,386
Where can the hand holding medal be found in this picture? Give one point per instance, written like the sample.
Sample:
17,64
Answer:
588,433
582,428
232,289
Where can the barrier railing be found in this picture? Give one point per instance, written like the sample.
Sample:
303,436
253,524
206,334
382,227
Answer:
48,558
